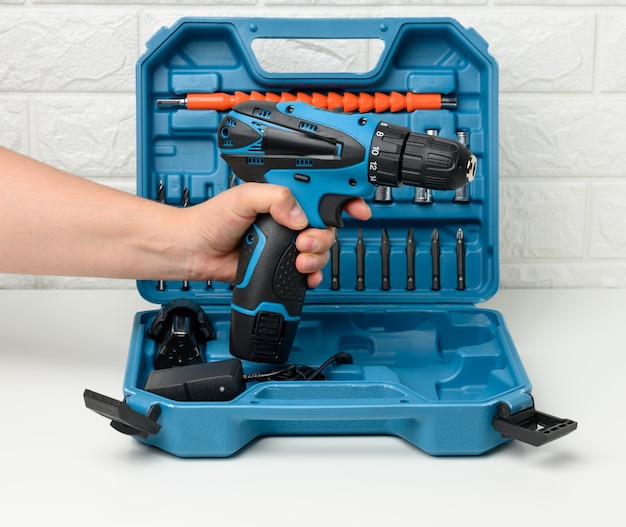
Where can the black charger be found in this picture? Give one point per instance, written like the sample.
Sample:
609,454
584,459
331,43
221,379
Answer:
224,380
210,381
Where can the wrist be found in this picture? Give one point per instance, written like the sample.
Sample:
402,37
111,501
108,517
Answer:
161,244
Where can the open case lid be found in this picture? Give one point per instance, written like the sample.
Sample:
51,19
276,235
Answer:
178,160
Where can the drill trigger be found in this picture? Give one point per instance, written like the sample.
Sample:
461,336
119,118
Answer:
331,206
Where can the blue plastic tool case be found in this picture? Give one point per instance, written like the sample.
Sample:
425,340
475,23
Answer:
428,364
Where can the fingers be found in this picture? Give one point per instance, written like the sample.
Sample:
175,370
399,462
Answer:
315,240
308,263
251,199
314,279
358,209
314,246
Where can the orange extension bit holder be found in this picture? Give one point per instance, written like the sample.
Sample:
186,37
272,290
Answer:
348,102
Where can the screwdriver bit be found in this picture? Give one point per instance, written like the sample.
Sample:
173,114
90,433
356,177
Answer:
410,261
360,262
435,255
460,260
385,251
334,264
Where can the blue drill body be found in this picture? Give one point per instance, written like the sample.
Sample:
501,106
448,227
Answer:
326,159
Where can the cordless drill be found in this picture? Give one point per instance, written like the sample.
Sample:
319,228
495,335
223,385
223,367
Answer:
326,159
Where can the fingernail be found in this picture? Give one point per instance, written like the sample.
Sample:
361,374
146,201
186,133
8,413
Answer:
298,215
307,244
307,264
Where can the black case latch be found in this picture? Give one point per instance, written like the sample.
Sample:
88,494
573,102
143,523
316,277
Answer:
531,426
123,418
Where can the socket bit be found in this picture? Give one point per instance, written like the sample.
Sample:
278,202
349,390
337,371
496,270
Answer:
424,196
461,194
383,195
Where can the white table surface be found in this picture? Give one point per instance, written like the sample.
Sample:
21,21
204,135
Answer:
61,462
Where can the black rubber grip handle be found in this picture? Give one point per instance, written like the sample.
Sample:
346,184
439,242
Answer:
268,294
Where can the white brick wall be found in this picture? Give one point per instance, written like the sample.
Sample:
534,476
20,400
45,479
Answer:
67,98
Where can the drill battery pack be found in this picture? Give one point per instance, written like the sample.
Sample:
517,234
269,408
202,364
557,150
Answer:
392,341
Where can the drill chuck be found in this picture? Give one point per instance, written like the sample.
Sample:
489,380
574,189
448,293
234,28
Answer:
398,156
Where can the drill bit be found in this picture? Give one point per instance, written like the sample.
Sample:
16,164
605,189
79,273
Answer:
410,261
360,262
232,181
385,251
334,264
347,101
435,256
460,260
185,205
161,192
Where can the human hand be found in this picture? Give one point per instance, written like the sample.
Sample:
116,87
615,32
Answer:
218,225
